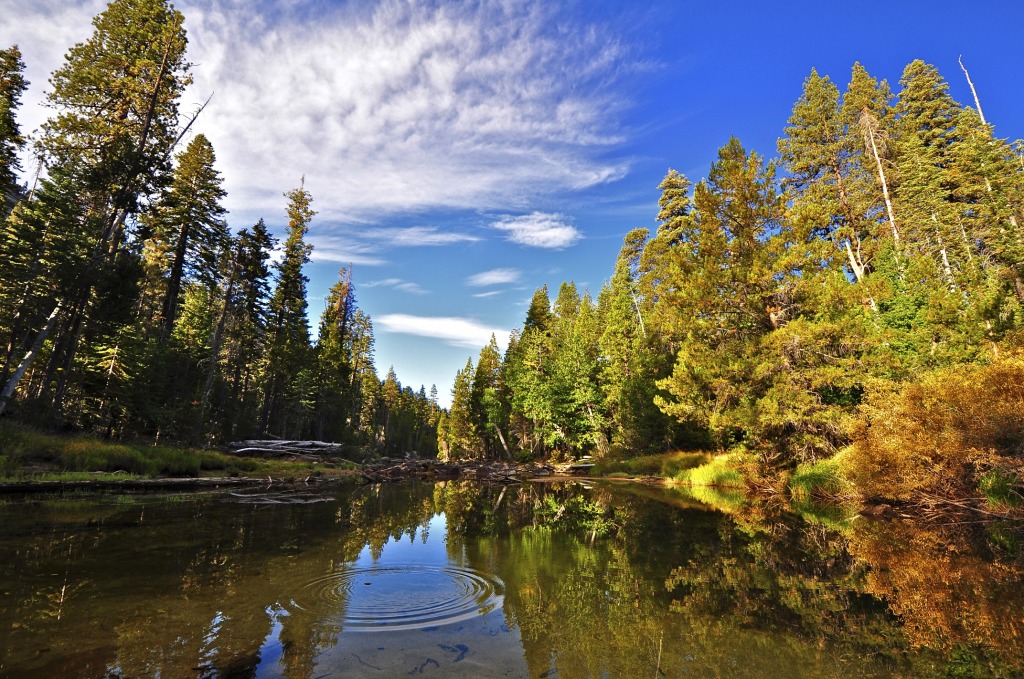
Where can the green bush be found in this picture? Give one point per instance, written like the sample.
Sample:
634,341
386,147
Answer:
1001,489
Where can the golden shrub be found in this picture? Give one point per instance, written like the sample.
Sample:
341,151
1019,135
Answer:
939,434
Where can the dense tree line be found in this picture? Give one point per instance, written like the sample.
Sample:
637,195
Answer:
884,243
127,305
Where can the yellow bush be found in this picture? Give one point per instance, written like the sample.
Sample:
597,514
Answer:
941,433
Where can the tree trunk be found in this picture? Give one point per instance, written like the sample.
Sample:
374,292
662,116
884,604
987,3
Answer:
501,437
218,335
12,383
868,125
977,102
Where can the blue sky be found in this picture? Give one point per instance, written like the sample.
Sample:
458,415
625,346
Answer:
461,154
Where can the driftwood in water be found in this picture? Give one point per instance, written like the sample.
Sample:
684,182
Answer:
275,448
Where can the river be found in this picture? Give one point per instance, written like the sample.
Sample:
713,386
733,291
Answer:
458,579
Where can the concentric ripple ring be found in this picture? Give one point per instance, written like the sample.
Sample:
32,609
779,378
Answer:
402,597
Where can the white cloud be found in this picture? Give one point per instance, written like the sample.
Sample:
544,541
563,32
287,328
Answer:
492,293
539,230
347,251
494,277
397,284
460,332
417,236
386,107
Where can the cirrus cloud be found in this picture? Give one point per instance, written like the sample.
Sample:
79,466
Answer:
494,277
403,106
459,332
397,284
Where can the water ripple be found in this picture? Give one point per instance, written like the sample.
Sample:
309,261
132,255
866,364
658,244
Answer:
403,597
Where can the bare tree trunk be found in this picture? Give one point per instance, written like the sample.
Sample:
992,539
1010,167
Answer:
977,103
501,437
12,383
868,124
947,270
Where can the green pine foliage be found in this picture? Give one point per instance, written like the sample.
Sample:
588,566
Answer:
12,85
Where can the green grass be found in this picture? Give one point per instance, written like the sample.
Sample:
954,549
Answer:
721,471
29,455
1001,489
667,465
823,479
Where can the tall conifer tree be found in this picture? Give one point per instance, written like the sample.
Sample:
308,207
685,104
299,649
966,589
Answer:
288,350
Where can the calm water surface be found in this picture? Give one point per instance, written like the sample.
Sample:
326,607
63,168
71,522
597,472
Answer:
464,580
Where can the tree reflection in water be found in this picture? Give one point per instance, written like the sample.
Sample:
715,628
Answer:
616,581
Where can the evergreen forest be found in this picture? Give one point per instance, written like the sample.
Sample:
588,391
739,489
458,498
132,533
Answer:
853,300
850,308
127,306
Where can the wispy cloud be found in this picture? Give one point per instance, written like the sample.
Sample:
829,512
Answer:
460,332
343,250
417,236
387,107
402,106
492,293
397,284
494,277
539,230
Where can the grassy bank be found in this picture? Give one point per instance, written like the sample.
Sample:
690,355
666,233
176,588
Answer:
30,455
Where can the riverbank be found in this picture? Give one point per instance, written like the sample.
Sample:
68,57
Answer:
33,461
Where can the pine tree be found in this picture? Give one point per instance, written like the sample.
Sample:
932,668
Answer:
664,261
577,419
866,112
245,340
729,299
189,232
820,153
108,146
288,349
459,435
527,373
489,412
334,361
12,85
631,364
395,424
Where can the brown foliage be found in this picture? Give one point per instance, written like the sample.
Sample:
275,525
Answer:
938,435
946,594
